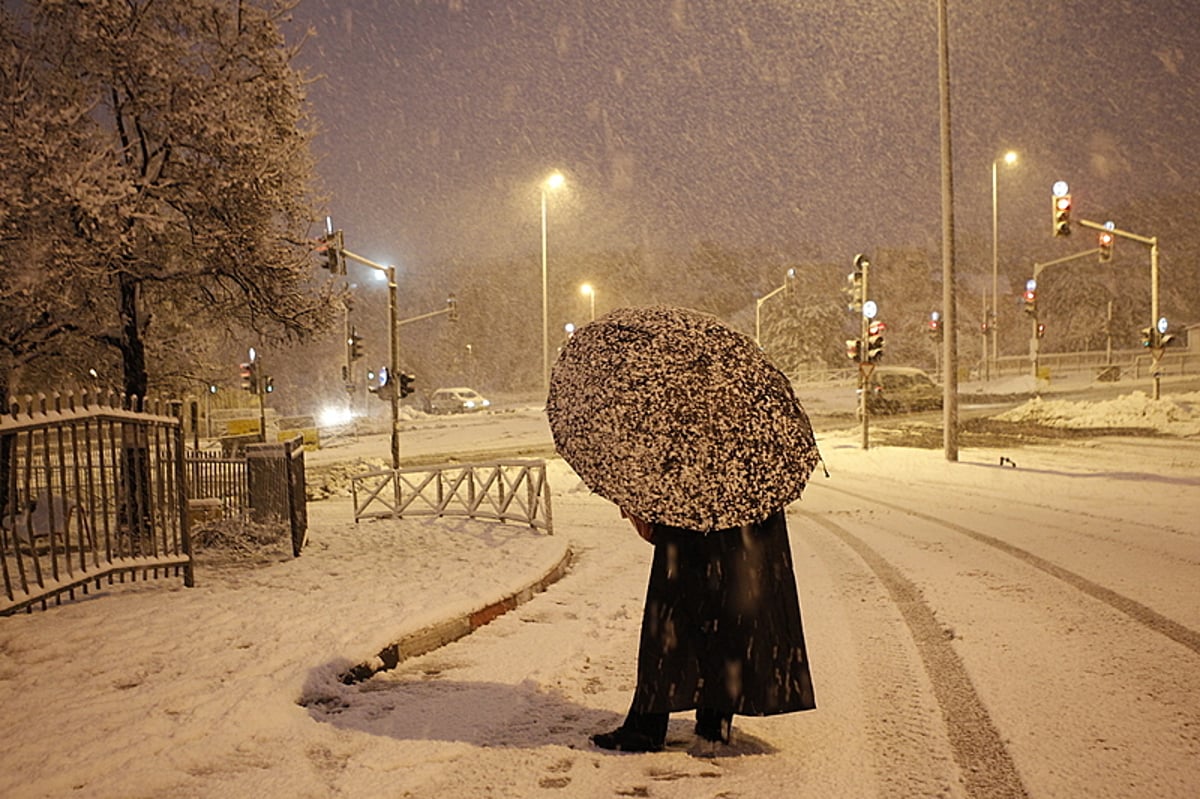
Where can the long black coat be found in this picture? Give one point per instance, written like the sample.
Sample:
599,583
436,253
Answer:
721,627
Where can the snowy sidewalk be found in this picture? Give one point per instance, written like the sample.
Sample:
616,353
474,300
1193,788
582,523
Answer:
143,681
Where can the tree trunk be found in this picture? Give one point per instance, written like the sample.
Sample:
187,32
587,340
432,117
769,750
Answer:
135,453
133,349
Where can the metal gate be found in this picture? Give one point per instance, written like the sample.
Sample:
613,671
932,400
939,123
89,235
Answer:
92,490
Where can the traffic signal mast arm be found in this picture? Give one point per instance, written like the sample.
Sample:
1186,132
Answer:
1151,241
424,316
1037,268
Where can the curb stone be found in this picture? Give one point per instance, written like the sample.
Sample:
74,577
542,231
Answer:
438,635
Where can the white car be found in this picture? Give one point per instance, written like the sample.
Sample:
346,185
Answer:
457,400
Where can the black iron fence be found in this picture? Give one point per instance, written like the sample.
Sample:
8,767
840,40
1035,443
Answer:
217,484
92,490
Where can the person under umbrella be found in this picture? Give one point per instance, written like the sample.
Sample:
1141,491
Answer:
700,441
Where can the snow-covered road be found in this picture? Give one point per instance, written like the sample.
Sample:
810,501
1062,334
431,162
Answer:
981,631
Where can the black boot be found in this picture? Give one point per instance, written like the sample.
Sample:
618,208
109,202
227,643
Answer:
640,732
713,725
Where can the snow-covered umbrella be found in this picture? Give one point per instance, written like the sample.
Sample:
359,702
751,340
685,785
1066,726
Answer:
679,419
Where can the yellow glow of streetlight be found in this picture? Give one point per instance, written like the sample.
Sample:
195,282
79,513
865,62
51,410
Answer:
590,292
1010,157
555,181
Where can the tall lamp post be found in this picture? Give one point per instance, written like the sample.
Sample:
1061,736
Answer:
553,181
590,291
1009,158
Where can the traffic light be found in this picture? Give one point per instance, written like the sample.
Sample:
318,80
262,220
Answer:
355,342
249,373
875,341
1106,240
268,384
854,349
853,292
331,246
406,381
789,282
452,306
1030,297
1041,329
1148,336
935,326
1061,211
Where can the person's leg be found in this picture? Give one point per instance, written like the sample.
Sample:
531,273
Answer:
713,725
640,732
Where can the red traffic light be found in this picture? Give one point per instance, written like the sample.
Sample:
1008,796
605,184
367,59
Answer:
1106,240
1062,215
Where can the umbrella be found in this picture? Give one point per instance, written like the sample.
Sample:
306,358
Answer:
679,419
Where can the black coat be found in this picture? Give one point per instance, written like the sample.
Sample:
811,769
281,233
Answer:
721,627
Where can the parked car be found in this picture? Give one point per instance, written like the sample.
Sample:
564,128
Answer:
902,389
457,400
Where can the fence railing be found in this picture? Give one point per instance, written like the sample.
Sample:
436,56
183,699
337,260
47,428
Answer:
214,477
277,487
1129,363
92,489
511,490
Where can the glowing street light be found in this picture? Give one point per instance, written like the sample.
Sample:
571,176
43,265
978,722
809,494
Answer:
554,181
590,291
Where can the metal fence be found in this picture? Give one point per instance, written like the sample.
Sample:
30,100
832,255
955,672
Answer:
513,490
219,480
277,487
92,490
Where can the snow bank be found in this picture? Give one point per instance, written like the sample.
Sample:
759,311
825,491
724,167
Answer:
1177,415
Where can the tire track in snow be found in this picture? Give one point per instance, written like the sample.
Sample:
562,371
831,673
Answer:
1140,613
988,770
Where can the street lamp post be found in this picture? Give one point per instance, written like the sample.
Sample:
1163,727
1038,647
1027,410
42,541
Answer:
554,181
590,291
1010,158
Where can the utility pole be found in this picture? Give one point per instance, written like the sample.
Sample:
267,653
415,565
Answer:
949,296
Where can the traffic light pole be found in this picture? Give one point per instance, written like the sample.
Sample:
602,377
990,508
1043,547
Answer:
758,304
1034,342
393,345
865,367
1152,243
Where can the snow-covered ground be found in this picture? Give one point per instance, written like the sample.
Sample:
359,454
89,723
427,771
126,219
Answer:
975,629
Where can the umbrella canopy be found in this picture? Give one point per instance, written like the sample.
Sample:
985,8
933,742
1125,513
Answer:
679,419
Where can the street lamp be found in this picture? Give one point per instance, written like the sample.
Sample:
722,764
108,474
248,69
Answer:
1009,158
554,181
587,289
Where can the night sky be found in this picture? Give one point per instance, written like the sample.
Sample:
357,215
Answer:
803,127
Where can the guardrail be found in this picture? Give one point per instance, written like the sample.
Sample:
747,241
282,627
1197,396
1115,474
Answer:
510,490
